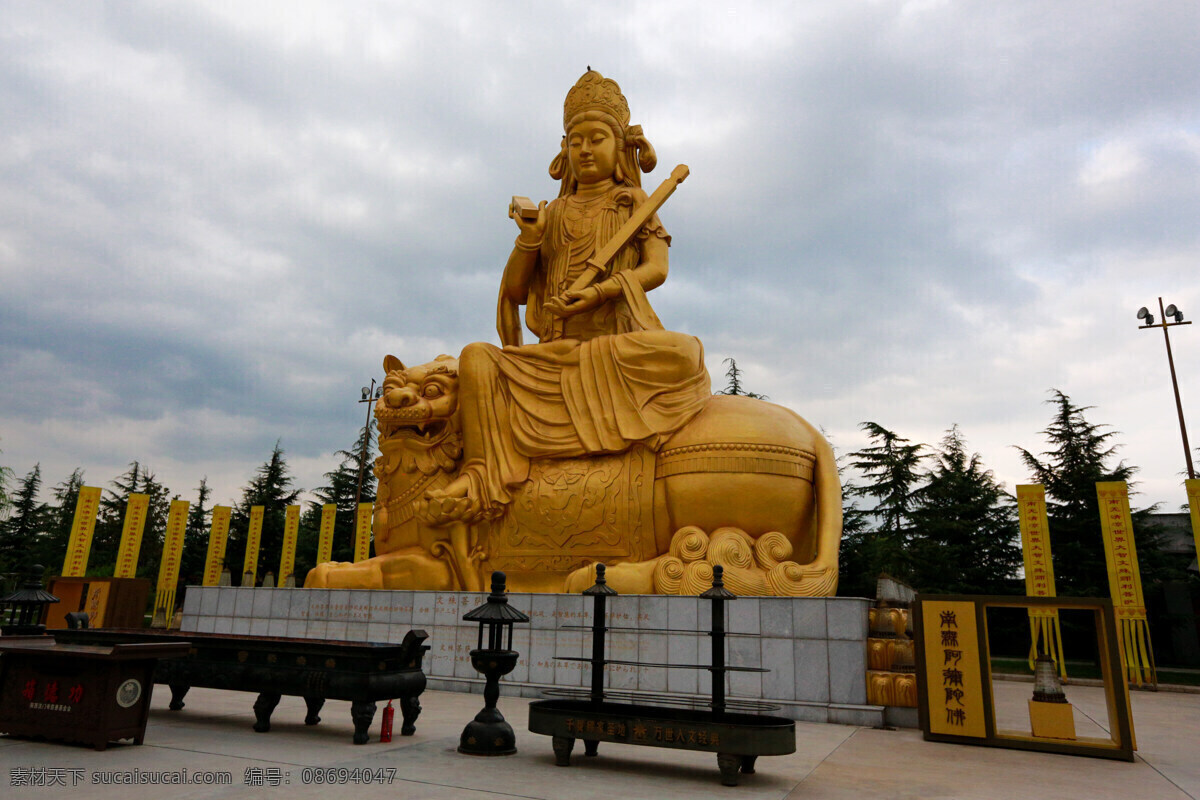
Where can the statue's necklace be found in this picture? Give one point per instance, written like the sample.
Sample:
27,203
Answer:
581,214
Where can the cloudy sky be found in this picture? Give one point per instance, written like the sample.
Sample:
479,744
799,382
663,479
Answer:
216,218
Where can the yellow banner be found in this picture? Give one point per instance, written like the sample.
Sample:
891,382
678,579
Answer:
1125,581
1193,495
953,683
253,537
362,531
1035,541
1044,631
131,539
325,543
287,558
168,565
80,545
217,539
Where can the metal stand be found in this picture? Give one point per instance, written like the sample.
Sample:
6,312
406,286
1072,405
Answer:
737,737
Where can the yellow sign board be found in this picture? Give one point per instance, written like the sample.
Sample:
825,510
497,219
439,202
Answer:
362,531
325,543
80,545
218,537
1045,634
956,700
287,558
954,686
1035,541
253,538
131,537
172,553
96,603
1125,581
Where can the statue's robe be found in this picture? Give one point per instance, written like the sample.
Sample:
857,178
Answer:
596,382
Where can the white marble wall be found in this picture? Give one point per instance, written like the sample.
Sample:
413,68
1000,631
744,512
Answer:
814,647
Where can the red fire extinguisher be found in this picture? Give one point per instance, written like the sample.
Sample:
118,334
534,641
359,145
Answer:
385,732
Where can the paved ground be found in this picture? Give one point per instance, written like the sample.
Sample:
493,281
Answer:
832,761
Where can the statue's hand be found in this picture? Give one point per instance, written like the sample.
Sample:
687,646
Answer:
532,232
573,302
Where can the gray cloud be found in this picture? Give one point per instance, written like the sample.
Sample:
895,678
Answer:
215,222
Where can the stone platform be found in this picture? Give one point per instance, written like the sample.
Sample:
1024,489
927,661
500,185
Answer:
814,647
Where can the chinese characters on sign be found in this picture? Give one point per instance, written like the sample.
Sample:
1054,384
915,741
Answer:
80,544
1045,634
954,689
362,531
131,536
1035,541
217,537
325,542
287,558
1125,580
619,730
253,537
172,552
49,695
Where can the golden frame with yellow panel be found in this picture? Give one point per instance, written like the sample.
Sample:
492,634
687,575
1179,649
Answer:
967,692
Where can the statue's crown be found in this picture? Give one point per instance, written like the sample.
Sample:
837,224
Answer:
594,92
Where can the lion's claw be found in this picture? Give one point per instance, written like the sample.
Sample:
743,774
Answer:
439,509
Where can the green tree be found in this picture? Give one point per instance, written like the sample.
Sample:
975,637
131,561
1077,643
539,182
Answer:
966,539
857,559
50,548
734,386
19,532
342,490
273,488
1080,454
890,468
195,536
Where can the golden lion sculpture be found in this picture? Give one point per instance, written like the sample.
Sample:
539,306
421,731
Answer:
746,484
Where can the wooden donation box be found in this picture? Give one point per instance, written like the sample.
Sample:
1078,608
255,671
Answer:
85,693
109,602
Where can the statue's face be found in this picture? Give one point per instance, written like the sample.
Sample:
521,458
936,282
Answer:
592,148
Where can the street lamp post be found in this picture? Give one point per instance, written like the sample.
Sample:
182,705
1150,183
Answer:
1148,322
369,396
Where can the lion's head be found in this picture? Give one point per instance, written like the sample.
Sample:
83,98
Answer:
417,415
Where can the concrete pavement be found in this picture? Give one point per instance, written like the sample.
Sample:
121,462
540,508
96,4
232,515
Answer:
213,733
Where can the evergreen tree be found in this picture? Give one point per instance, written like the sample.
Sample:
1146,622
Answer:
857,562
890,469
272,488
195,537
734,386
19,532
342,491
1081,454
50,548
966,536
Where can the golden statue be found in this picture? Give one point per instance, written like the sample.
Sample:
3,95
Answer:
602,442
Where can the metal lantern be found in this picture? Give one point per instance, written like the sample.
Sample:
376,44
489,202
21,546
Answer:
25,606
489,734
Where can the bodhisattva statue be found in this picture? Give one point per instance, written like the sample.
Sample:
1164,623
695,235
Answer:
602,442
